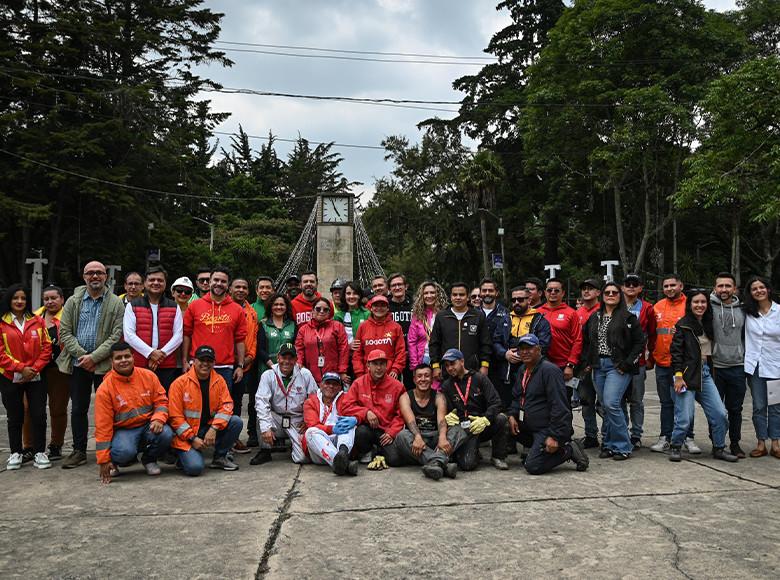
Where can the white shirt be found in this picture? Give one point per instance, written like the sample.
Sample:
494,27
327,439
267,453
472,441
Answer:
487,311
459,315
139,345
19,324
762,343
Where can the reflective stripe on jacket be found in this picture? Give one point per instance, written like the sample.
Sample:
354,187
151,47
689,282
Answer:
186,404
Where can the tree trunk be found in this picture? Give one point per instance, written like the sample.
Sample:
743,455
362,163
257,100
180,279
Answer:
483,229
621,238
735,261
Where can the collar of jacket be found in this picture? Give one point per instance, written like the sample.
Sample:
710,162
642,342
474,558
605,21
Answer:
8,317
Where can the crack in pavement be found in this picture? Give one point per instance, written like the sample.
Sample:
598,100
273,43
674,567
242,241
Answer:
669,531
734,475
276,527
517,501
50,517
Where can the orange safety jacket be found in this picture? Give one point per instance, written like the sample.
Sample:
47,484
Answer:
187,403
124,403
667,313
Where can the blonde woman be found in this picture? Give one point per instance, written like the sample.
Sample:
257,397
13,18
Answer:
428,300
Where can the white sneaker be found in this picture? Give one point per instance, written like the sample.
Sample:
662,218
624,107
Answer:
41,461
14,462
691,446
660,446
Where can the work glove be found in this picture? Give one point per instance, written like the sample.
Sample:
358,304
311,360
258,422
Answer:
452,418
378,463
478,425
344,425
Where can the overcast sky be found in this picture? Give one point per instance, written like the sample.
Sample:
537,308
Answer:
438,27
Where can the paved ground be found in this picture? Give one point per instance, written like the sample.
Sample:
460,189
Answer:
644,518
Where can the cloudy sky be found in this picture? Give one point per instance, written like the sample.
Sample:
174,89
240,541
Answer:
433,27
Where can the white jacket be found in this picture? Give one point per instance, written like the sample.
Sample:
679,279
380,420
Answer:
271,402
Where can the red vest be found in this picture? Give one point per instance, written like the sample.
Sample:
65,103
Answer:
166,314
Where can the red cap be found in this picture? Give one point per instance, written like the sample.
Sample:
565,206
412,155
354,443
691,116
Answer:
376,354
378,298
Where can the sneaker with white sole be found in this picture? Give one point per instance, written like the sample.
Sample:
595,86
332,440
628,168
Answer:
152,468
691,447
660,446
41,460
14,462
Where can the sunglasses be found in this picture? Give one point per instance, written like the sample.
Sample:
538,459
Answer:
475,296
518,300
202,280
321,309
553,290
185,291
611,293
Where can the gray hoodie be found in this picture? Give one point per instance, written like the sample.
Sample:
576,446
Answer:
728,324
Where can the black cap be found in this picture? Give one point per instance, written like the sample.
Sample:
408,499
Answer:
594,282
288,349
632,278
205,352
292,278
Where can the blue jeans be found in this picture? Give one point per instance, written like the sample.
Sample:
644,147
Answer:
127,443
732,386
636,404
191,461
709,398
664,383
766,418
611,386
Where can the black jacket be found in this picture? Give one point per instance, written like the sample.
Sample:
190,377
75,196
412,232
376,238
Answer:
483,399
686,353
624,337
470,335
545,403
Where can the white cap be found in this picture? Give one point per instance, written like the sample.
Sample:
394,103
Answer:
183,281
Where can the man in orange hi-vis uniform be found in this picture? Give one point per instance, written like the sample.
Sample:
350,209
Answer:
131,412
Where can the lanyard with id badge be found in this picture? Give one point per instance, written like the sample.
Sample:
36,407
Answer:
321,357
286,420
524,384
466,423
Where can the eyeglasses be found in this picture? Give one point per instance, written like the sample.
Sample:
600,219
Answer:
321,309
94,274
202,280
611,293
554,290
185,291
518,300
398,285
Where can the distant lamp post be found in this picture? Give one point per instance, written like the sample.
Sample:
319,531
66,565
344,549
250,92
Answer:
211,232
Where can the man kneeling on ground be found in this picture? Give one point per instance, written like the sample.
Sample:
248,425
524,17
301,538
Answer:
545,426
373,400
279,403
330,434
131,410
427,440
202,415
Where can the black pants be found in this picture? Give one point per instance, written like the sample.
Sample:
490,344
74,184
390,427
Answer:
13,400
81,385
497,433
366,438
538,460
498,376
251,383
237,390
732,386
167,376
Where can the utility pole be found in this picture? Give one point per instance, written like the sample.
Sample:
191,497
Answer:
552,270
610,264
503,257
211,232
112,269
37,279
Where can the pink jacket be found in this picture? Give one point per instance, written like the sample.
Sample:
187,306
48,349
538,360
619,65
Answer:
418,339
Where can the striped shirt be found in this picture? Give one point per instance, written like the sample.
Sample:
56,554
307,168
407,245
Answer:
86,332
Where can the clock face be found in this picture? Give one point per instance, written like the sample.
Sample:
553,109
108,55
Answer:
335,209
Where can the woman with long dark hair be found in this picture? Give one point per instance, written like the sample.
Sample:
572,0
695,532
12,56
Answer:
691,351
612,344
351,312
321,343
762,361
25,352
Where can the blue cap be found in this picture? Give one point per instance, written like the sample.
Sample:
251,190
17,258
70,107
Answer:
529,340
452,354
331,376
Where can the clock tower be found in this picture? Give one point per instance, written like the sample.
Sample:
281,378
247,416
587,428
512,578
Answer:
335,237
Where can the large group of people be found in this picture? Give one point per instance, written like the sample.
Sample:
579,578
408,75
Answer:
382,376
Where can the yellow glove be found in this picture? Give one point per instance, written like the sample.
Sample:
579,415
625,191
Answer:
478,424
378,463
452,418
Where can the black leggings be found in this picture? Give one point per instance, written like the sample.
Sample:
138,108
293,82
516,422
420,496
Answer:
13,400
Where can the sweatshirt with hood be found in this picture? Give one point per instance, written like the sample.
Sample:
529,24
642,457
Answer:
728,322
219,325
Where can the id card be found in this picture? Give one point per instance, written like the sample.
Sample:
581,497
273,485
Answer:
573,382
465,424
321,361
286,422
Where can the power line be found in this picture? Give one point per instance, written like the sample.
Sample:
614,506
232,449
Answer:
345,51
334,144
352,58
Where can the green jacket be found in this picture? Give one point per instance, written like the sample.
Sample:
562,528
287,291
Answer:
359,316
109,331
259,307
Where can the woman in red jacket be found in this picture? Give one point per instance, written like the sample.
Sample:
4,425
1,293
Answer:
26,352
322,343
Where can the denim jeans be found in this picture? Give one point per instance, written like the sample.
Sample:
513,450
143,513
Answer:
610,387
714,410
127,443
636,404
732,386
191,461
587,394
664,382
766,418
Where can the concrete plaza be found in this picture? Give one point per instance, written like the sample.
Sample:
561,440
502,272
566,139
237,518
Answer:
642,518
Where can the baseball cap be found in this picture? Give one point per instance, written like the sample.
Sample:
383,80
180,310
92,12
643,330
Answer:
594,282
528,340
183,281
331,376
292,278
452,354
205,352
376,354
377,298
288,349
632,278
